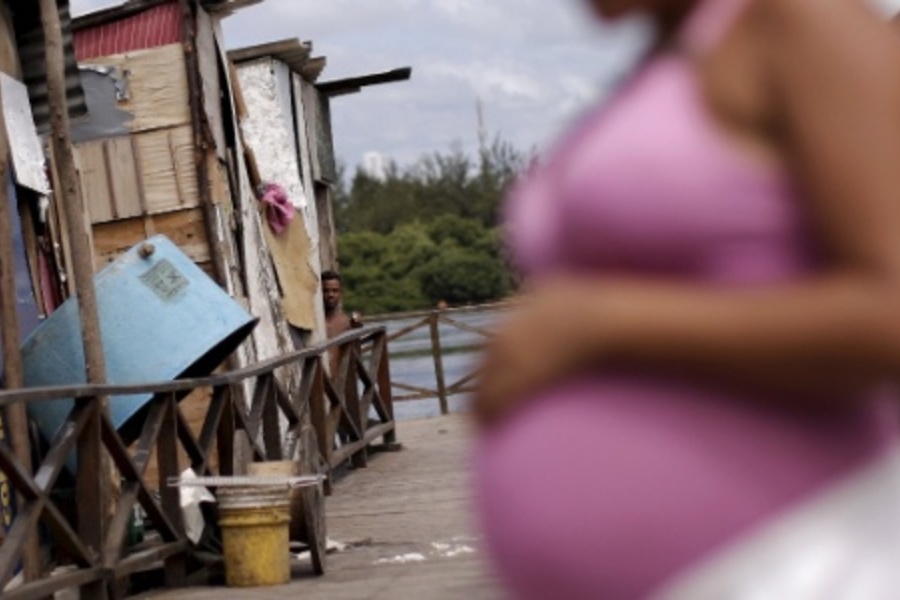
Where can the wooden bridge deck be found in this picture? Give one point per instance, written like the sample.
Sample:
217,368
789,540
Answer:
406,521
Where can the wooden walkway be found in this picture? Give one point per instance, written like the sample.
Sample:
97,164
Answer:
406,521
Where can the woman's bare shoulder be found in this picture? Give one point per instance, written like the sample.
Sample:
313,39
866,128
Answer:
851,25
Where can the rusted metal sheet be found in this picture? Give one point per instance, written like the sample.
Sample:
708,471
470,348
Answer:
32,53
156,26
26,305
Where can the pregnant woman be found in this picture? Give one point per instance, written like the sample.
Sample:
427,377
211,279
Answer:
695,397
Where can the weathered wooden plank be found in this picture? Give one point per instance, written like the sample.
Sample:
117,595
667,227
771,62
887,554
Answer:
225,444
208,57
310,98
463,326
199,459
58,220
214,415
91,161
66,392
423,322
438,362
46,587
304,148
118,525
242,422
9,54
424,392
144,173
377,431
133,472
151,557
37,505
313,67
125,195
287,408
505,305
168,173
271,426
268,49
156,83
185,228
167,457
382,369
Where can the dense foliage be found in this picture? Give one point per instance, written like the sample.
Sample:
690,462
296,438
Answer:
428,233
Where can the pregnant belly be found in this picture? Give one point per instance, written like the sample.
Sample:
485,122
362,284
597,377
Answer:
606,487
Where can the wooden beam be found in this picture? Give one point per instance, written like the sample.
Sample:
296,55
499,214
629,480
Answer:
269,49
46,587
16,419
202,143
91,488
228,6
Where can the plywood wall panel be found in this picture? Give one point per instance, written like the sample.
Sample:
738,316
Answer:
156,84
185,228
128,176
168,173
91,163
122,175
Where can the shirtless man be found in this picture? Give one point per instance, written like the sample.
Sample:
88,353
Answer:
336,320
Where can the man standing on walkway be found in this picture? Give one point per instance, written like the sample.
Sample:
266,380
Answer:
336,320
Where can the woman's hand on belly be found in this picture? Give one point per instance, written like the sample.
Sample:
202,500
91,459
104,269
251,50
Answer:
817,341
542,343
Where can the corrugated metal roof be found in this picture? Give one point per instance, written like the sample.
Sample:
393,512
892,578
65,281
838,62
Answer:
292,52
32,52
155,26
131,7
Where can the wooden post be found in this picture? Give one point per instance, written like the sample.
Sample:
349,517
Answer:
314,368
349,360
202,139
433,321
384,385
167,458
91,490
16,419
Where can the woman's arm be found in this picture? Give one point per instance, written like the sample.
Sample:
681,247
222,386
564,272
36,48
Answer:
836,75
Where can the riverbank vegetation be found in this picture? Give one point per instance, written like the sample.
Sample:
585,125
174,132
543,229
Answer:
427,233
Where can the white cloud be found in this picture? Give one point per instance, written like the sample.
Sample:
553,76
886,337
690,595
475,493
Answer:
488,81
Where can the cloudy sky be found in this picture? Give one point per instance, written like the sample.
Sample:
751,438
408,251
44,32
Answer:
533,65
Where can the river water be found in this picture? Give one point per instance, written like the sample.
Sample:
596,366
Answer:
412,362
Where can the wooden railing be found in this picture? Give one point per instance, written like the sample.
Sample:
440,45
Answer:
432,321
90,534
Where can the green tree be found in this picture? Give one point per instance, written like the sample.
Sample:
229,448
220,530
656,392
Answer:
461,276
428,232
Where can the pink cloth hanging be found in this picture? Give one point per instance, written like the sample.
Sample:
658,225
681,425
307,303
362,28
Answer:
279,209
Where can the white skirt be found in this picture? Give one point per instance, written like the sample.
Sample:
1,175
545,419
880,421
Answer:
843,544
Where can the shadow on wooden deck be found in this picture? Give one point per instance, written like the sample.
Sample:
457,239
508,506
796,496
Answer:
407,524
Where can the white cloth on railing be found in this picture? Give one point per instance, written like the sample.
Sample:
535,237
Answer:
191,497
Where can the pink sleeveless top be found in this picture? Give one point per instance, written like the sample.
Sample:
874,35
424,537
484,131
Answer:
608,485
649,183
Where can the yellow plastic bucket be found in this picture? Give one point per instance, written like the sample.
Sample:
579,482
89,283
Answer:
255,523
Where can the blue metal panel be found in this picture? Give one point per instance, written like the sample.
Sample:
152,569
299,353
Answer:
161,318
26,306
